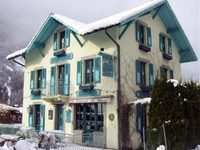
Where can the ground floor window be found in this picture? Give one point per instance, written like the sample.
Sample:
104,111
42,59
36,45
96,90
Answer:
89,116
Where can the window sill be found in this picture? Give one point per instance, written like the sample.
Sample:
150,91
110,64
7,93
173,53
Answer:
167,56
86,87
36,92
144,48
145,88
59,52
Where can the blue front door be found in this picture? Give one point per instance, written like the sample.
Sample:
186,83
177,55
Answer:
59,117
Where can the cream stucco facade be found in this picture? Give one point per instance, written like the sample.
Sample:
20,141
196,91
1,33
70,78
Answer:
92,43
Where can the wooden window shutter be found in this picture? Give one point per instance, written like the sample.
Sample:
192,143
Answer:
52,80
160,42
55,41
169,46
149,37
42,117
97,70
171,74
43,78
138,72
137,31
79,72
67,79
32,80
30,116
67,37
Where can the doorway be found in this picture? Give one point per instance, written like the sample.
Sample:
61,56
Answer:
59,120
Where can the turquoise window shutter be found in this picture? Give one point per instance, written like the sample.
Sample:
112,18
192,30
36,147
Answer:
149,38
32,80
137,31
97,70
107,66
43,78
68,116
169,46
138,72
67,37
52,81
67,79
79,72
42,117
171,74
151,75
30,116
55,41
160,42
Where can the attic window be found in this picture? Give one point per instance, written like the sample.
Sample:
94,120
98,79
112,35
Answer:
143,35
62,40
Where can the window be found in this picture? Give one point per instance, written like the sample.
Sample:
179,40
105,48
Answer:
89,71
89,116
143,73
166,73
165,46
62,40
39,79
143,36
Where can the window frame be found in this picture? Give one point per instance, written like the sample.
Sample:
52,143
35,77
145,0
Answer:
145,38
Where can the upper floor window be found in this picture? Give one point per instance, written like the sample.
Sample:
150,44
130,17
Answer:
61,39
89,71
38,79
165,44
143,35
166,73
144,73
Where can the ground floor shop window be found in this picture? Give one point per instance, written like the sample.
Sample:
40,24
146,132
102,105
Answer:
89,116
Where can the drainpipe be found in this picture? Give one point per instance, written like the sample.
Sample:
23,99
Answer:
118,88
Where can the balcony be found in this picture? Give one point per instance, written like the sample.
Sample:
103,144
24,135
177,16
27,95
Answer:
56,92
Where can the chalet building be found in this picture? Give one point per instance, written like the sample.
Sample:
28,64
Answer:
78,75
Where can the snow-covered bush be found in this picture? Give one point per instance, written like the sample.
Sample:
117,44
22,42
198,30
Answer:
27,133
161,147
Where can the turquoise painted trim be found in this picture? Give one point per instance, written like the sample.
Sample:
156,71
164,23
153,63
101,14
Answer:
44,78
67,79
61,59
172,30
67,37
166,15
32,80
42,117
138,72
77,39
95,92
156,13
52,80
141,13
97,70
79,73
68,116
30,116
125,29
151,75
35,97
171,72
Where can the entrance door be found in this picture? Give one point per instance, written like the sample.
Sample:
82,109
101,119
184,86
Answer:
59,117
37,117
61,80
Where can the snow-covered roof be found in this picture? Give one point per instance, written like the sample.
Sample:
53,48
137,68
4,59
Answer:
82,29
7,107
17,53
164,11
146,100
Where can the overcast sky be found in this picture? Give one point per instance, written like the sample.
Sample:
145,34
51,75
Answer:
20,19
